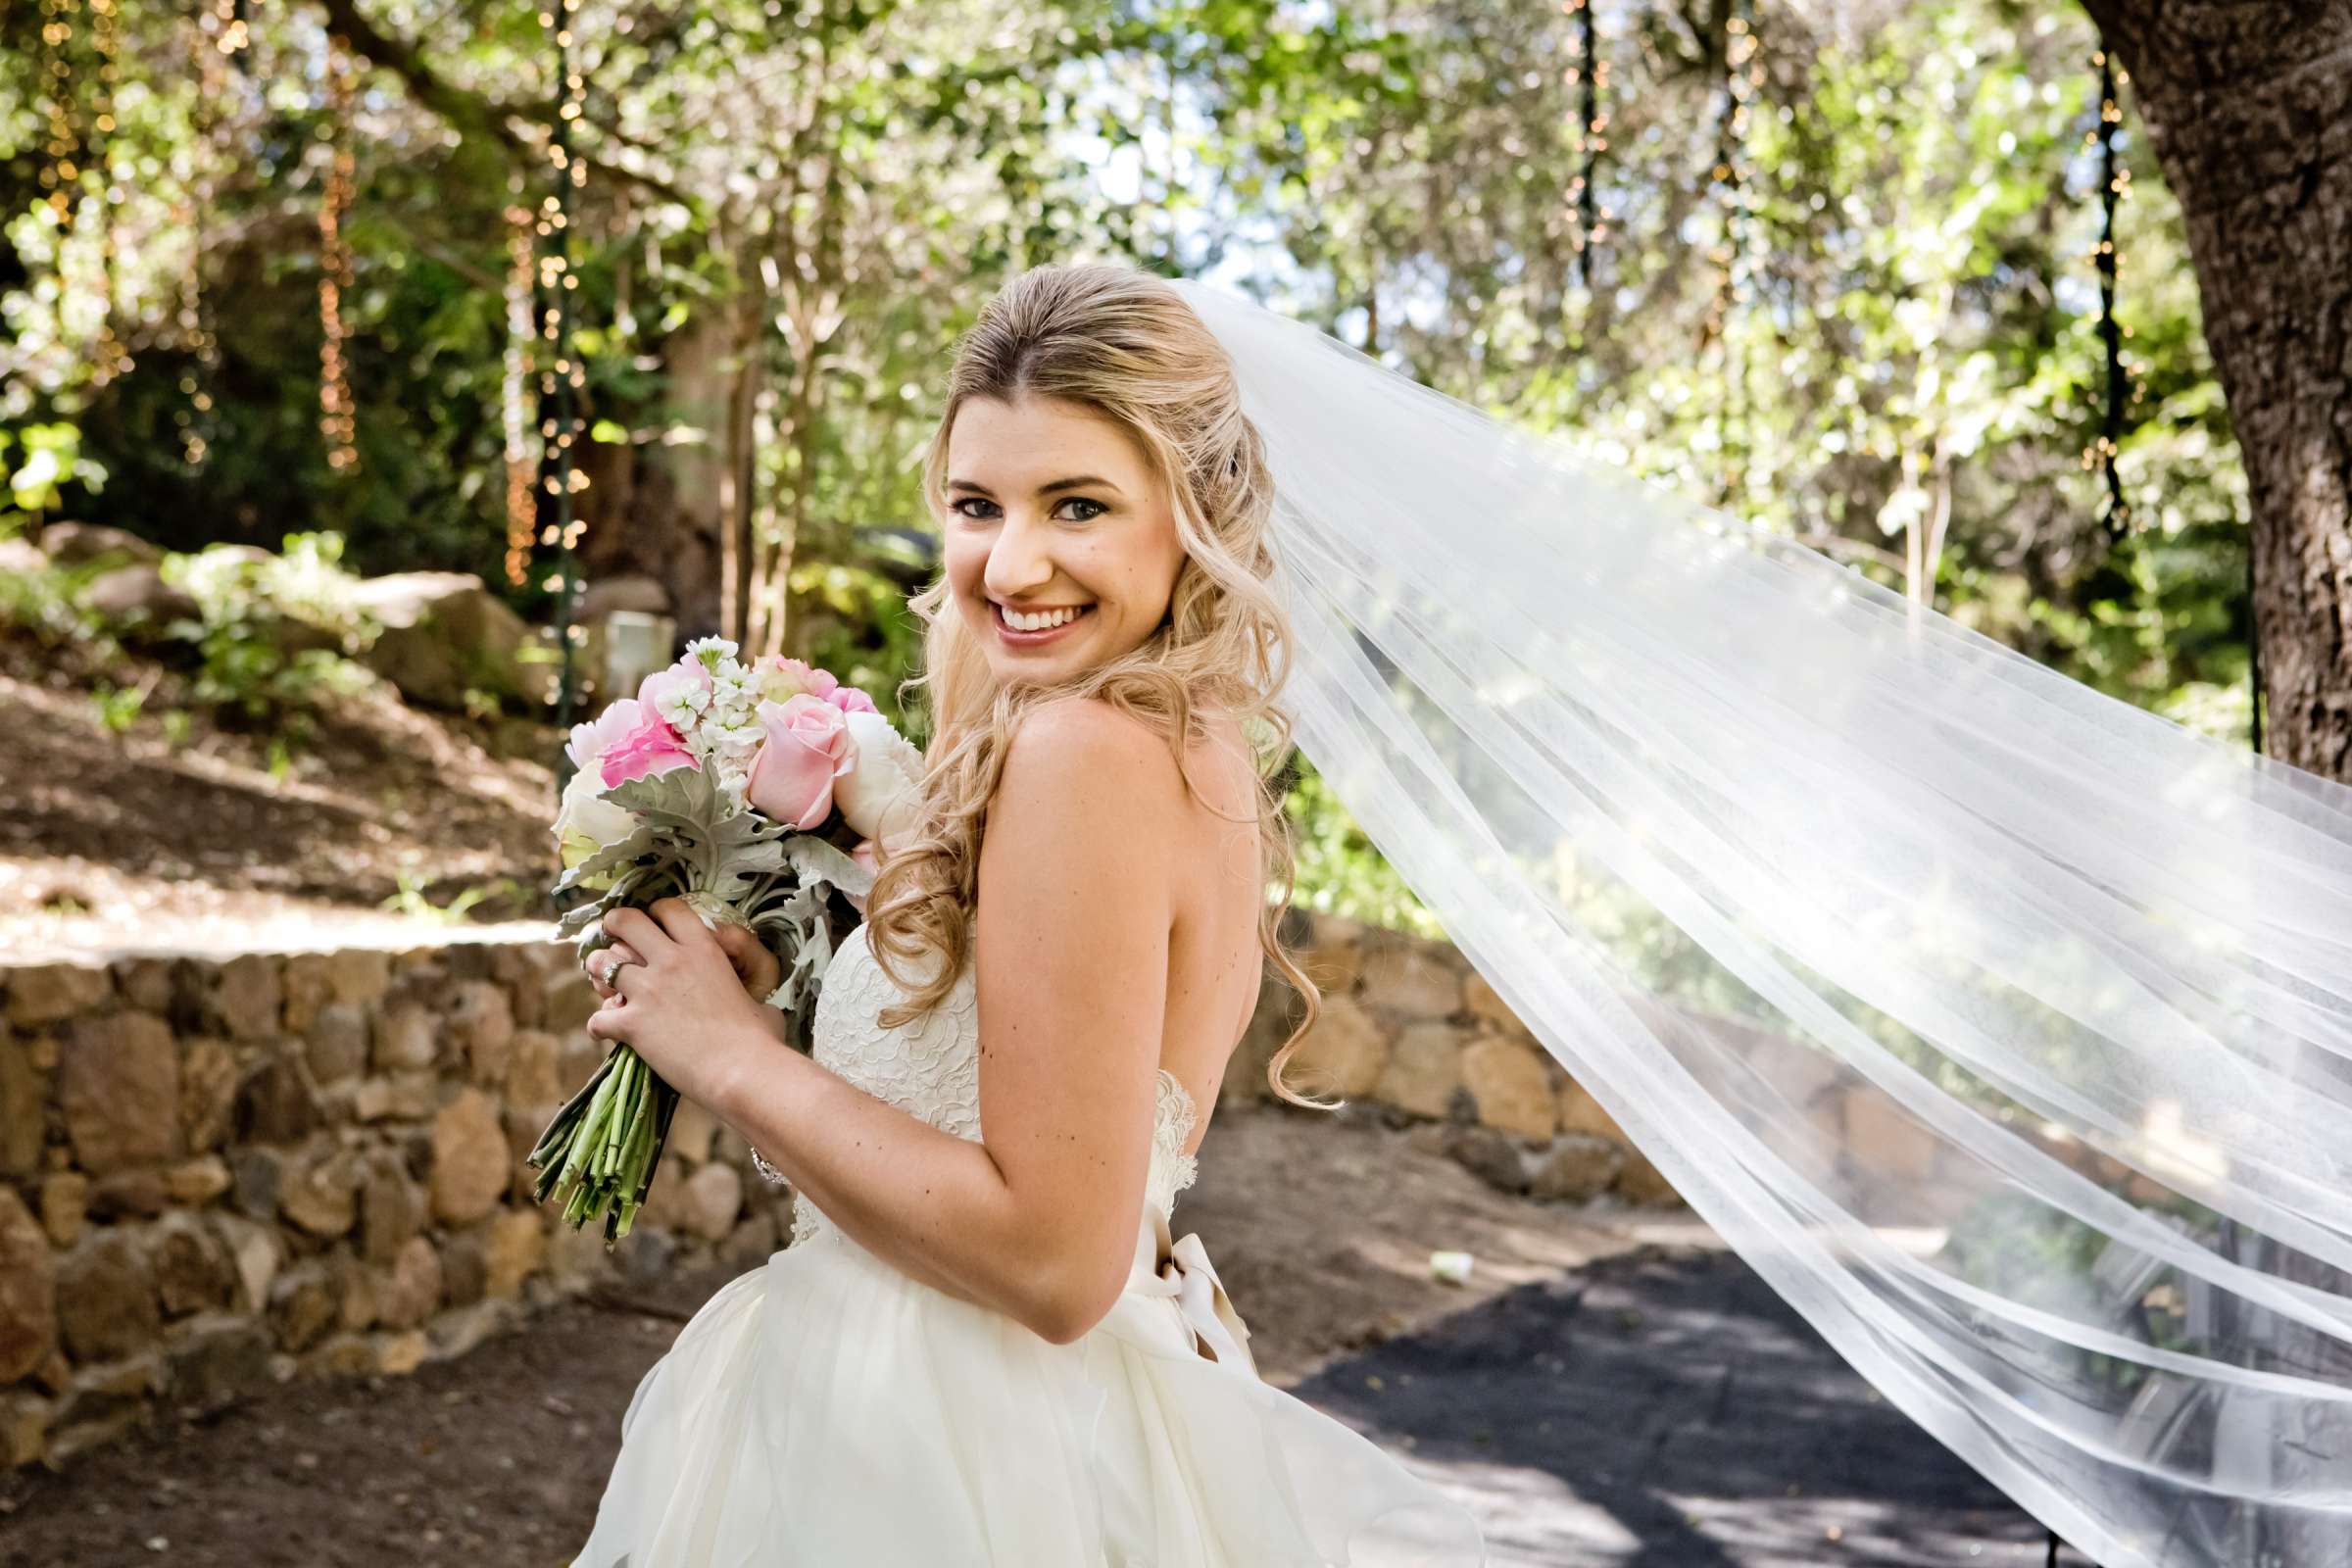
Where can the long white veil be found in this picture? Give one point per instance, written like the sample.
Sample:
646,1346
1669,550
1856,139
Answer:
2005,1028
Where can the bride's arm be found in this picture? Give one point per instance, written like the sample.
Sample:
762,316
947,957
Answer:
1038,1221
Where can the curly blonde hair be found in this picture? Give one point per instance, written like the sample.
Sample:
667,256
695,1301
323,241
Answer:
1118,341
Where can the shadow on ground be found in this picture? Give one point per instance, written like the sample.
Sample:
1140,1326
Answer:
1666,1409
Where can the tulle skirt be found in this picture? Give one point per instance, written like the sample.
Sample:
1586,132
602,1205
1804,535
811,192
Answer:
825,1408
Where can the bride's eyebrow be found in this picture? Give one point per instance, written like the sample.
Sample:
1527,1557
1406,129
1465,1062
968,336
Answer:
1084,481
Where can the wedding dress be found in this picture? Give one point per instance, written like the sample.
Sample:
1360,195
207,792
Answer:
826,1408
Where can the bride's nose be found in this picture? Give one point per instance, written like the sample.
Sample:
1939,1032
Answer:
1019,563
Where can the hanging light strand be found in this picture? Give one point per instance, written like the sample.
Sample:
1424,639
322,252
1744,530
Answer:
1589,74
337,420
2114,184
563,379
1744,76
108,355
522,448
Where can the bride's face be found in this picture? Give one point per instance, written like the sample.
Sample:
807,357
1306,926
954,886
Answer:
1051,508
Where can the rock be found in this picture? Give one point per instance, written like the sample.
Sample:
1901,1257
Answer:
407,1039
119,1088
399,1354
321,1190
410,1291
1641,1182
245,996
48,993
1509,1083
691,1131
1490,1009
106,1301
1493,1154
1580,1112
1578,1166
391,1209
1334,957
277,1104
1424,1068
104,1401
23,1429
1412,978
443,633
1343,1055
27,1291
752,1240
217,1360
514,1245
23,1110
302,1306
337,1042
357,975
568,1001
712,1198
462,1329
256,1253
483,1023
308,985
136,604
256,1178
65,1205
208,1092
346,1355
628,591
146,984
197,1182
1883,1139
470,1158
465,1266
71,543
532,1076
193,1272
128,1193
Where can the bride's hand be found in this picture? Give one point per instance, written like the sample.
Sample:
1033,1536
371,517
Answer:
758,968
680,1005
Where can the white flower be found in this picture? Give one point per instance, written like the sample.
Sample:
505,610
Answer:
586,822
881,795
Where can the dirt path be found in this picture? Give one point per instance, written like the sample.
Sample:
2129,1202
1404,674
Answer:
1685,1401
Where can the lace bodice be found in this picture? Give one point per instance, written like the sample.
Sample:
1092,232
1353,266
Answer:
930,1068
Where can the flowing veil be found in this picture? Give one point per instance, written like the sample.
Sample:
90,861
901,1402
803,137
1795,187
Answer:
2003,1027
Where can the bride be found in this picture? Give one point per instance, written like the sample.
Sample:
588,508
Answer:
983,1345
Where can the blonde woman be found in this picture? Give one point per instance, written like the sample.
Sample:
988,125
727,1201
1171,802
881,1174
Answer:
984,1344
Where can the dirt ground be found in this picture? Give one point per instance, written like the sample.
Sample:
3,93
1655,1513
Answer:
116,840
1322,1233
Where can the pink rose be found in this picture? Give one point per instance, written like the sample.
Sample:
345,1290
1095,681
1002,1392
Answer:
779,678
650,749
850,699
806,747
590,741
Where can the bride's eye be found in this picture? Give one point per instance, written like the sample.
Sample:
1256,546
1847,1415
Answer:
958,505
1081,501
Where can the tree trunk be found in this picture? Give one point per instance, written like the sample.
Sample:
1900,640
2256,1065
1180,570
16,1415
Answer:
2248,108
2249,111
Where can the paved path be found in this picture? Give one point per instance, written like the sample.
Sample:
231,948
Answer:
1664,1409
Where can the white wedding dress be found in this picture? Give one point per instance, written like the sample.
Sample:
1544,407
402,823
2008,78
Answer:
827,1409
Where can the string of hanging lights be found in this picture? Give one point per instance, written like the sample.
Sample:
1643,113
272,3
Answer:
563,377
1744,76
2114,184
523,452
1590,74
337,417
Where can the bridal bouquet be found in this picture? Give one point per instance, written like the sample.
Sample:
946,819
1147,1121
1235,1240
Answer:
754,793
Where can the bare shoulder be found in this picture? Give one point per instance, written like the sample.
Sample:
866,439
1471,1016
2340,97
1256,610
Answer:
1080,758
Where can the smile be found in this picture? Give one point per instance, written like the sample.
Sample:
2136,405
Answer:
1014,637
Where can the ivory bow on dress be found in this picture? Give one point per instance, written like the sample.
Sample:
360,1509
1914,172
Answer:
1187,1277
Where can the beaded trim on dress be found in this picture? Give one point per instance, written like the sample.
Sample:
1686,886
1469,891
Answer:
930,1068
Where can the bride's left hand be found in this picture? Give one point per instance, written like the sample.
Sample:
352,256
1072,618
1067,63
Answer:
682,1005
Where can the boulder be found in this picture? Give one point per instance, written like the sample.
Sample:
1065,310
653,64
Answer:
135,598
443,633
70,544
27,1291
119,1089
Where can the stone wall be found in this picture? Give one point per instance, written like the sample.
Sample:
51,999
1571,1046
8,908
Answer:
217,1174
1411,1034
221,1174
